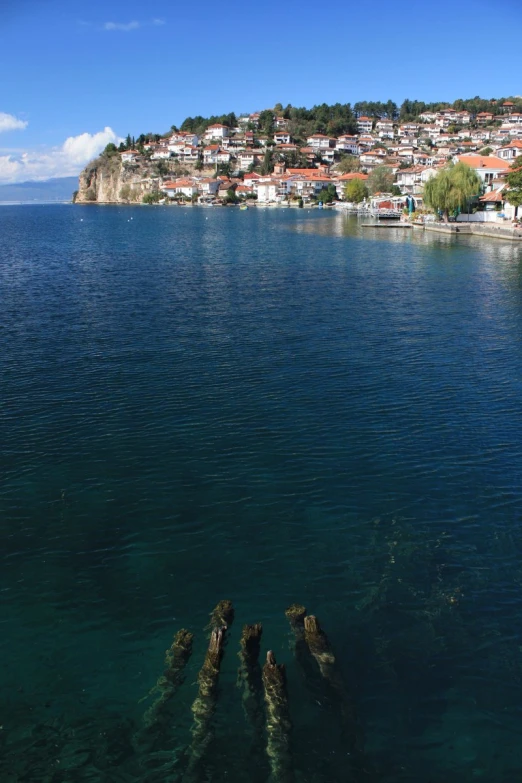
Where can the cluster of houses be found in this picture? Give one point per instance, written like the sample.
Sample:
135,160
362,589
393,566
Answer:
413,151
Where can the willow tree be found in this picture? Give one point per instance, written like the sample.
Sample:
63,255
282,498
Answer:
355,191
514,194
451,189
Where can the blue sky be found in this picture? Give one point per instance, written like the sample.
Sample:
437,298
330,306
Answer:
88,72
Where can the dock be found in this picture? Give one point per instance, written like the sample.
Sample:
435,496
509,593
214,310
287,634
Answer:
386,225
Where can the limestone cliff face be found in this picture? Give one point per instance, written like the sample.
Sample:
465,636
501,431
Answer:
107,180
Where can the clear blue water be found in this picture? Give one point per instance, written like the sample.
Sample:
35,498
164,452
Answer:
269,406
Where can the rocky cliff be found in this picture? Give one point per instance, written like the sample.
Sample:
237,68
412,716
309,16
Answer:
107,180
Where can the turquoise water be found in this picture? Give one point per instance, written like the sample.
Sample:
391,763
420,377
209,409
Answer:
269,406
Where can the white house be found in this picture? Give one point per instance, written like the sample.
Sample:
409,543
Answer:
365,142
251,180
223,156
409,129
510,151
365,124
422,159
428,172
185,187
463,117
214,154
208,187
184,137
428,116
384,129
347,144
267,191
488,167
372,158
129,156
216,131
409,180
319,141
282,137
161,153
251,157
272,190
328,155
188,154
406,152
307,183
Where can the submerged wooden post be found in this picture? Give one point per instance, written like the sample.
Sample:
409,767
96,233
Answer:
321,650
278,724
222,616
176,658
249,674
204,705
295,614
156,719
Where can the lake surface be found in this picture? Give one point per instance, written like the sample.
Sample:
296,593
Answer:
269,406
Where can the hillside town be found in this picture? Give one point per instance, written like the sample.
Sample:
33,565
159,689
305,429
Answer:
255,161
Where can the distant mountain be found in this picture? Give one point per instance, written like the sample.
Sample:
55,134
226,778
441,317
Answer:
59,189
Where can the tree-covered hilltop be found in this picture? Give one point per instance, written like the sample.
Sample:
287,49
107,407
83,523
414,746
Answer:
338,118
332,119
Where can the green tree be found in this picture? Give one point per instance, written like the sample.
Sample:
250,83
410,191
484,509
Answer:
451,189
162,168
266,122
514,194
128,142
328,194
110,150
231,196
380,180
355,191
266,166
223,169
153,197
349,164
486,151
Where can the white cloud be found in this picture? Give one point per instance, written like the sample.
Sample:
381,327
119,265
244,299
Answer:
124,27
8,123
65,161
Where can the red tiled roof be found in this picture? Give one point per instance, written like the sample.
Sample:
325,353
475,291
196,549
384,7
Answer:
352,175
311,173
494,196
483,161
